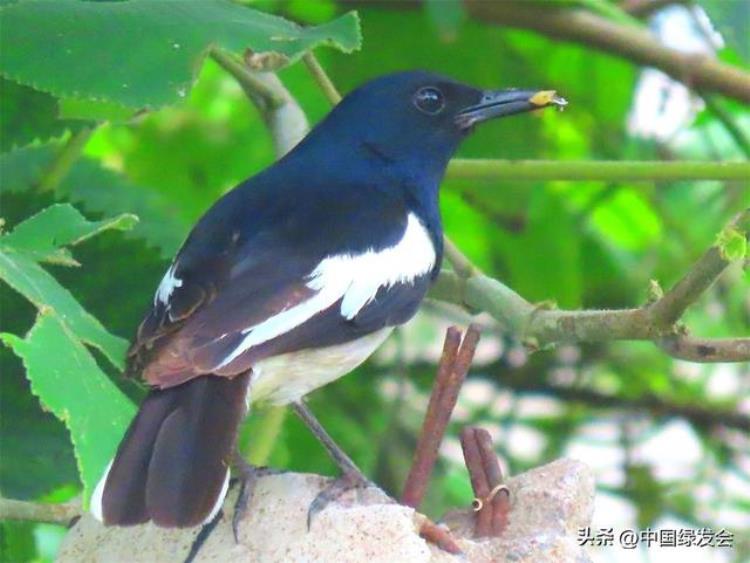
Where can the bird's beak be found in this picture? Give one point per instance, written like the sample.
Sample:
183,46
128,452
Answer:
500,103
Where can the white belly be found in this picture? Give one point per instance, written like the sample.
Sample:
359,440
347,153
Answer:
288,378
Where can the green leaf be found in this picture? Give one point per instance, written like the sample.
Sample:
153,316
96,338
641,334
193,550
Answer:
94,110
732,244
67,380
20,270
99,190
27,115
43,235
142,53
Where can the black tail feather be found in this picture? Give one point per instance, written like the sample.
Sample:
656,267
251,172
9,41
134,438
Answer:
172,466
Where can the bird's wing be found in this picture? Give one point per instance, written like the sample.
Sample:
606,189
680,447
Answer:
307,274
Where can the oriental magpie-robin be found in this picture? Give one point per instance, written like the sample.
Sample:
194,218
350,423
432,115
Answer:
289,282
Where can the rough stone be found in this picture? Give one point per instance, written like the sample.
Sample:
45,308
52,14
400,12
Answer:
548,506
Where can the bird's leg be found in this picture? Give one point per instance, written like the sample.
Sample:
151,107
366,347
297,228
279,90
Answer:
351,477
247,475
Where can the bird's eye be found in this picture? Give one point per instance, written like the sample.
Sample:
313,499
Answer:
429,100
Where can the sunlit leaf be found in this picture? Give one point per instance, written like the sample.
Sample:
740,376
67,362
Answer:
20,270
67,380
141,53
42,236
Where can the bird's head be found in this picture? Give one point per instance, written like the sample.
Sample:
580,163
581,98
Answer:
419,118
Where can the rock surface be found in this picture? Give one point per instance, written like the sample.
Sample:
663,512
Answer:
548,506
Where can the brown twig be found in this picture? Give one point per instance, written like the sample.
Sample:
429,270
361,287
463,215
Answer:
439,536
479,482
499,498
452,370
492,500
454,365
431,435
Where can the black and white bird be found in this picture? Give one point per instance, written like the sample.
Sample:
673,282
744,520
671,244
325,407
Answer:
288,282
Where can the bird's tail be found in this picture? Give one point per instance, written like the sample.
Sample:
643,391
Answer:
172,466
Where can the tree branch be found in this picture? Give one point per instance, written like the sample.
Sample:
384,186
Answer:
696,71
540,325
665,311
706,350
608,171
283,116
62,513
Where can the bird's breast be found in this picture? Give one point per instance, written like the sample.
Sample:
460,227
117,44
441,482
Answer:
286,378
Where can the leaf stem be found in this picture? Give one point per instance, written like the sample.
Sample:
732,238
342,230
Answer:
323,80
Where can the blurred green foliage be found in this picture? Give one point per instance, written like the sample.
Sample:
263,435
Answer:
575,243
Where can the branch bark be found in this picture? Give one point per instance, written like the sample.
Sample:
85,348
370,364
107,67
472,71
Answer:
705,350
696,71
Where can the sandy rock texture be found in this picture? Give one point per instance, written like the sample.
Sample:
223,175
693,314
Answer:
548,506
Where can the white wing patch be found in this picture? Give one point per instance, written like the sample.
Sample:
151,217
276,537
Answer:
219,500
354,278
168,284
95,504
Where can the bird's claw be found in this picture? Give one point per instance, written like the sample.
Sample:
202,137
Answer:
247,477
343,484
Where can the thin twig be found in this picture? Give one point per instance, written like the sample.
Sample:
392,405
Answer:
431,435
62,513
461,264
667,310
320,76
707,350
452,370
439,536
479,482
499,498
491,498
